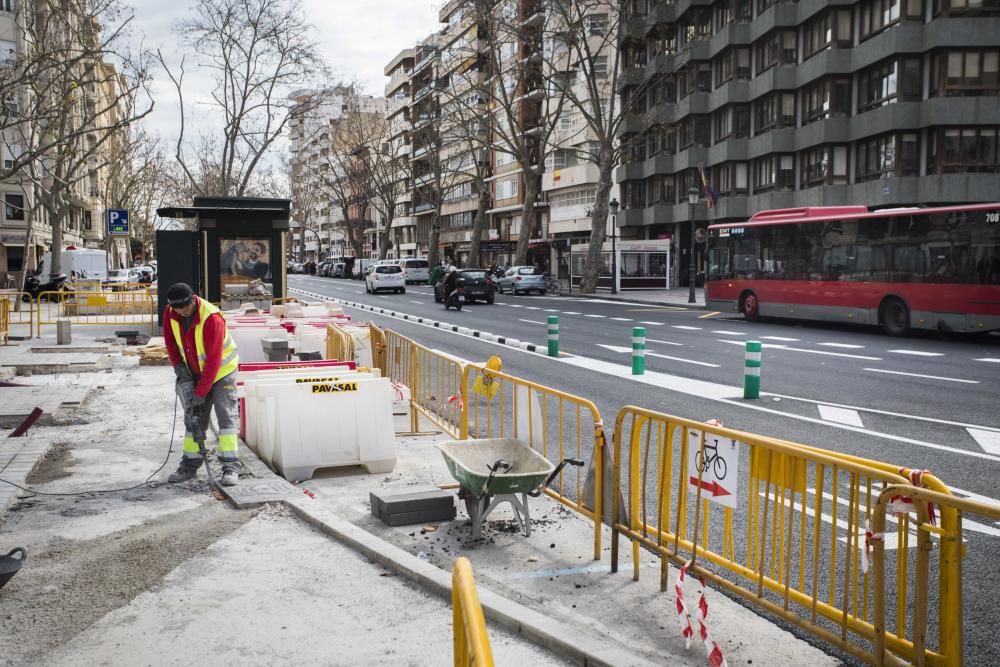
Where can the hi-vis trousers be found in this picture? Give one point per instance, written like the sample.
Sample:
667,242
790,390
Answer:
221,398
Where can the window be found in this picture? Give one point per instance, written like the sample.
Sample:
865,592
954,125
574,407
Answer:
824,165
826,98
774,111
966,149
11,152
578,198
877,15
832,29
889,155
963,7
504,158
13,207
7,6
8,53
695,77
734,63
774,172
965,73
88,221
695,129
600,67
507,189
653,186
777,48
881,84
598,24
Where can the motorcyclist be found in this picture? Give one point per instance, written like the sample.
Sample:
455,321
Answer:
450,281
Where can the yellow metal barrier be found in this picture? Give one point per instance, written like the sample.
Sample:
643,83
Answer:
97,307
436,388
553,422
4,320
339,344
952,652
472,643
801,515
22,309
378,349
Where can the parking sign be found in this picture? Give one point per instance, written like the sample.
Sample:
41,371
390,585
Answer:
117,222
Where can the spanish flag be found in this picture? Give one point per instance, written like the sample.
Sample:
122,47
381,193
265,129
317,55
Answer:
711,196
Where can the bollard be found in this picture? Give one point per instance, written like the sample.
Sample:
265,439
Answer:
63,335
751,370
638,350
553,335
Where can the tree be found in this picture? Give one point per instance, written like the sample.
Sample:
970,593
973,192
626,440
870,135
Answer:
583,63
132,182
308,195
258,51
65,104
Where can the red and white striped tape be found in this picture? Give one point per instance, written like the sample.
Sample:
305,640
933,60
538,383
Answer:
457,398
870,537
904,504
712,649
398,386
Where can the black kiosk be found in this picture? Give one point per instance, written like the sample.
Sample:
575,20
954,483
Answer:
236,249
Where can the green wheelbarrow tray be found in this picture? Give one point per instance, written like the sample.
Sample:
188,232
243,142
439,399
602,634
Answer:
501,467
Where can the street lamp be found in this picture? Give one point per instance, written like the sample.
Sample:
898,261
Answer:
692,269
613,207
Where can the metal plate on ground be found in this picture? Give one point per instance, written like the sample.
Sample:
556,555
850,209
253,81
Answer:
250,492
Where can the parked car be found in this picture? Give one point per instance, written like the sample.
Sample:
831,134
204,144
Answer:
520,279
360,270
337,270
323,268
118,279
415,270
478,286
385,277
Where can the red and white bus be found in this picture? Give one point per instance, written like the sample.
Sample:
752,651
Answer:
920,268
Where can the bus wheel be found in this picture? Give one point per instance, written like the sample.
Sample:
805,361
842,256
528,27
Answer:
894,316
750,307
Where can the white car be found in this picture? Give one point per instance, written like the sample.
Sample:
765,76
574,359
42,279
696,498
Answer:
118,278
415,270
385,277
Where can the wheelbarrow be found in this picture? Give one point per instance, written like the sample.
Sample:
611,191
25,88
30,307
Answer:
9,566
497,470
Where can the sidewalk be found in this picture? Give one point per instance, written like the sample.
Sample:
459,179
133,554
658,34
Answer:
167,575
675,296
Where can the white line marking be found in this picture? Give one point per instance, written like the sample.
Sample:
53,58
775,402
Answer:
686,328
843,345
994,361
621,319
600,317
918,353
551,310
725,333
514,305
920,375
569,312
655,324
840,415
532,308
412,301
531,321
988,440
775,346
615,348
889,541
664,342
781,338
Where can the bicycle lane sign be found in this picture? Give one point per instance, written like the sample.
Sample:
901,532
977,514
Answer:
719,466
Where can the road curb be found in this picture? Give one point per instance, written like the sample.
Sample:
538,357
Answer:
628,299
560,638
540,350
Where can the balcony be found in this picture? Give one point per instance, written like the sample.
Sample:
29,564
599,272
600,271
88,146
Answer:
535,20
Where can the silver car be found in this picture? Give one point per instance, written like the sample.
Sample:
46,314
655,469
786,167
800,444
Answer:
520,279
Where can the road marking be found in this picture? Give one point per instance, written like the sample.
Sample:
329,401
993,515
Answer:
776,346
664,342
993,361
653,324
569,312
889,541
920,375
551,310
649,309
840,415
725,333
781,338
846,346
709,315
686,328
918,353
988,440
596,316
532,308
412,301
621,319
531,321
514,305
615,348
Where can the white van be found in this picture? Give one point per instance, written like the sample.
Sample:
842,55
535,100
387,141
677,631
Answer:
361,268
415,270
78,264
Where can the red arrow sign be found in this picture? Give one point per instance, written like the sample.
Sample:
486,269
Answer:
712,487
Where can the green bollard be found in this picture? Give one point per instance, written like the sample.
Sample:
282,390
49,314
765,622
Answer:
751,370
638,350
553,335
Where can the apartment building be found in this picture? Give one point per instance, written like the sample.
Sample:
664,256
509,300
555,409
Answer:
788,104
92,105
399,97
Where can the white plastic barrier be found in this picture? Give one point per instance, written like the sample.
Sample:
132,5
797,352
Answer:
305,426
248,340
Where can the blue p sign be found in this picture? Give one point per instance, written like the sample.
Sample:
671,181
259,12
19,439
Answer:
118,222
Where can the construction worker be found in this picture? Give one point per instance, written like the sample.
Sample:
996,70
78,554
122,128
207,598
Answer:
205,358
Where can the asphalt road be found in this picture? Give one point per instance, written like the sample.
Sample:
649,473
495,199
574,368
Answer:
919,402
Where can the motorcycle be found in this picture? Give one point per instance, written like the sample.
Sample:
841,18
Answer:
33,287
456,299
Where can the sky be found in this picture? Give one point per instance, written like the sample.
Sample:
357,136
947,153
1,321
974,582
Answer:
357,38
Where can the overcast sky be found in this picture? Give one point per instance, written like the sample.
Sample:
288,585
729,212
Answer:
357,38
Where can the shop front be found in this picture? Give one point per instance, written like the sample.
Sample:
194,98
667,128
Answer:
640,264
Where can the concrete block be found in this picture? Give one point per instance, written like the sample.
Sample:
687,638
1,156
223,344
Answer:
275,349
63,333
407,509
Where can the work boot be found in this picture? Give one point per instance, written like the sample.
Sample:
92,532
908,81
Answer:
229,478
185,471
